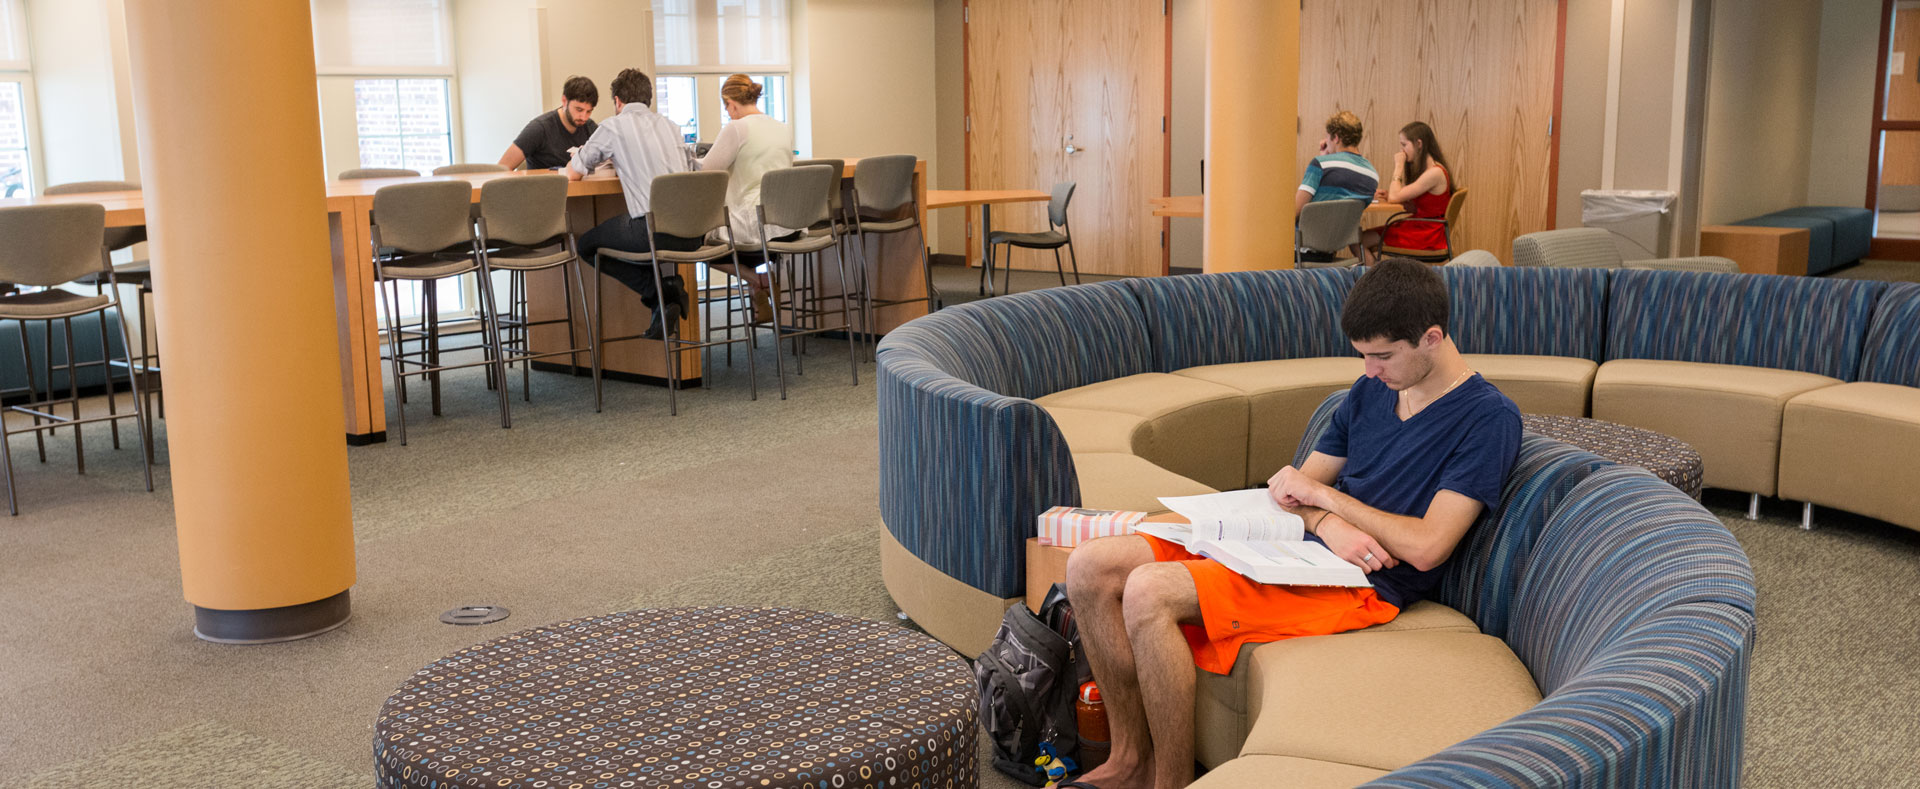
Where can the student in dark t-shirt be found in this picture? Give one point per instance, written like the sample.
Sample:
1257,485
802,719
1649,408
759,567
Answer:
1421,447
548,140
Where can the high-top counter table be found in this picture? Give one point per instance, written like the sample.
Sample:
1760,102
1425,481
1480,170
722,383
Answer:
591,200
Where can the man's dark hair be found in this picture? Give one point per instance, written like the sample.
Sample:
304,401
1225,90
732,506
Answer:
581,89
1395,300
633,87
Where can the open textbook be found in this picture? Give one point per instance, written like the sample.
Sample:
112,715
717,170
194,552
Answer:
1250,535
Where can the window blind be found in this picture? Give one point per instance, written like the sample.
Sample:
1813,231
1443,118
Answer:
721,35
13,36
382,36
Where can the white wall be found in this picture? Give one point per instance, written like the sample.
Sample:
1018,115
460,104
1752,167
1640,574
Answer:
496,52
1759,107
1843,103
869,87
950,118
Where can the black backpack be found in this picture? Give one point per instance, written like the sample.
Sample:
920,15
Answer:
1028,679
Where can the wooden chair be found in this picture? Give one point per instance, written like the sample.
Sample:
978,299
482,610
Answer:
1446,223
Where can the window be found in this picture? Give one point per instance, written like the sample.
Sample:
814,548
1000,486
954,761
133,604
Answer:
674,97
403,123
697,43
16,172
16,159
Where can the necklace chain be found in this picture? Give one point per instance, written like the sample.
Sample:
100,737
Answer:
1443,393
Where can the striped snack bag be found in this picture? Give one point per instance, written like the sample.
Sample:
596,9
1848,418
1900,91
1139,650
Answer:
1069,526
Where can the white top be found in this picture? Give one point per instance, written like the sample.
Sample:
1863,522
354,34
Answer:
642,144
747,149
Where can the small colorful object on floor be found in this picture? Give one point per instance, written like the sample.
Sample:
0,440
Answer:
1055,766
1067,527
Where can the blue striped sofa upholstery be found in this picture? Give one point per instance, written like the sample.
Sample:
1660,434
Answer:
990,412
1712,359
980,431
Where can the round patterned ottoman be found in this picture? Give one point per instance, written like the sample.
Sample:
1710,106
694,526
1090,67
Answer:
1667,457
692,697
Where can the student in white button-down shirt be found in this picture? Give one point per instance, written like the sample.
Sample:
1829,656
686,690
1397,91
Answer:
641,144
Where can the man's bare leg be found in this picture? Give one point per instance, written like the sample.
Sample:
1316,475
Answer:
1157,600
1097,575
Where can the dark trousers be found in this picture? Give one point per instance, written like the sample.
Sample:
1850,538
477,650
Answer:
629,234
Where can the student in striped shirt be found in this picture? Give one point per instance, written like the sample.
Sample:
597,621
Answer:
1339,172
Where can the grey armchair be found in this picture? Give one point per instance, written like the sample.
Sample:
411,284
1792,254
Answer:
1592,247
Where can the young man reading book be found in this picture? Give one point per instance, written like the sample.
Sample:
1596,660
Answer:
1421,447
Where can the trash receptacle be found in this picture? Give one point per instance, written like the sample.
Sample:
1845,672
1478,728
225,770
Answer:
1638,218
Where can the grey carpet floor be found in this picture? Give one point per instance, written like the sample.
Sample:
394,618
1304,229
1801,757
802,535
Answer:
572,513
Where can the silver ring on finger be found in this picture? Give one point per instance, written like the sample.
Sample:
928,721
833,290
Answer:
1367,559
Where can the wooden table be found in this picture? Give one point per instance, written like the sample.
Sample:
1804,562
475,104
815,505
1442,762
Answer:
1759,250
591,200
986,199
1195,206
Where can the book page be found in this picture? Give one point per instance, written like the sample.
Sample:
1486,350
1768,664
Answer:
1237,515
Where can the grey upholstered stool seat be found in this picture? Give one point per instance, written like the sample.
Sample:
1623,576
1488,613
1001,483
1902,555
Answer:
472,167
49,246
884,203
684,205
799,197
422,232
44,304
521,227
359,173
138,273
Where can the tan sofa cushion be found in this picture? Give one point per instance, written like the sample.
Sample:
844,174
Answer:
1221,703
1856,447
1101,431
1281,395
1539,384
1382,700
1729,413
1194,428
1119,481
1284,772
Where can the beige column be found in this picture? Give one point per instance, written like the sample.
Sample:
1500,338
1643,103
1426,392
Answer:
1253,91
229,131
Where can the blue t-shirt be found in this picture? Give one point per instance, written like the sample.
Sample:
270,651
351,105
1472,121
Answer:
1340,176
1464,442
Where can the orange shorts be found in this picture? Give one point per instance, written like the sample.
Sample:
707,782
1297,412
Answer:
1236,610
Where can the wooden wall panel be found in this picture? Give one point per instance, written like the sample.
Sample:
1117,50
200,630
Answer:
1480,73
1042,69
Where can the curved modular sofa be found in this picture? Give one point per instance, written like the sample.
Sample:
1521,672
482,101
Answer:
1111,394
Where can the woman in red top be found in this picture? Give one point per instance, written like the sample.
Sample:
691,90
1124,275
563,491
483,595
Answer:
1423,183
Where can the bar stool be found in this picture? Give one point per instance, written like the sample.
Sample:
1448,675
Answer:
842,226
138,273
422,232
523,228
1057,235
798,197
687,205
468,168
359,173
48,246
884,203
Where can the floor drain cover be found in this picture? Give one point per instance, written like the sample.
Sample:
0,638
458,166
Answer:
475,615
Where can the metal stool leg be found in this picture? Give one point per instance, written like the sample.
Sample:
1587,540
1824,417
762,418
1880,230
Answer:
139,413
73,394
394,349
106,369
33,393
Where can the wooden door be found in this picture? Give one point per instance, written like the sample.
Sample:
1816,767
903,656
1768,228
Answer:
1039,71
1481,74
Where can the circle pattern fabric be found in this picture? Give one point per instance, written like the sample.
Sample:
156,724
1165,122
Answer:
1667,457
715,698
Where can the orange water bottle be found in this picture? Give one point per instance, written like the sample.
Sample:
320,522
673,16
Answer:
1090,715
